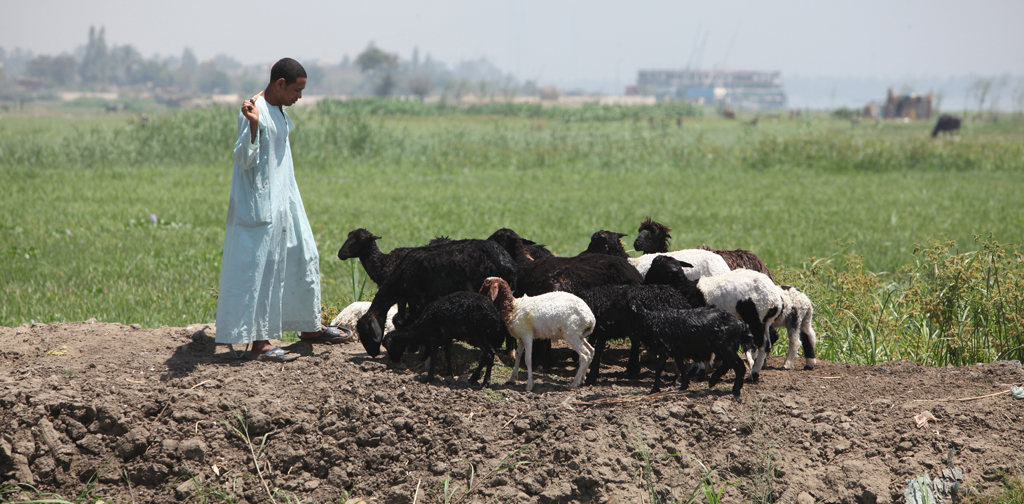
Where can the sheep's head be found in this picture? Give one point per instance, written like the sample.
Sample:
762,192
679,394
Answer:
666,270
360,242
652,237
395,342
499,292
515,245
369,331
607,242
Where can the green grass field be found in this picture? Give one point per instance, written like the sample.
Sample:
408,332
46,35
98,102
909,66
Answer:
838,210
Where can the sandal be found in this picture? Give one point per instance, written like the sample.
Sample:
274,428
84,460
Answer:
276,354
331,335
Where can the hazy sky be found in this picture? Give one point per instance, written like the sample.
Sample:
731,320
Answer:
558,41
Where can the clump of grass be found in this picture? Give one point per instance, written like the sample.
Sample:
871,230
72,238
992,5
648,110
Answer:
946,308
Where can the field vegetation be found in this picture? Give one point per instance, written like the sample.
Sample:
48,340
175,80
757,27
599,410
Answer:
909,246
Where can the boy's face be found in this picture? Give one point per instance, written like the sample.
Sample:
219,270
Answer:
288,94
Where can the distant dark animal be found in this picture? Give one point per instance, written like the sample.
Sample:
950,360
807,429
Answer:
463,316
729,114
947,124
428,273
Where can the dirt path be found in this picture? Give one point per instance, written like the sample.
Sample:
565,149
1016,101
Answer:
152,416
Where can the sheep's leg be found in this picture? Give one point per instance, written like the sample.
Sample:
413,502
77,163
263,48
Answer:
528,351
433,362
633,365
809,339
515,369
595,363
659,365
486,359
586,353
448,356
755,371
793,332
736,364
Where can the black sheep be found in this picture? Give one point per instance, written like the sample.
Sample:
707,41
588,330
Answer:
948,124
521,249
428,273
694,334
603,263
611,305
362,243
463,316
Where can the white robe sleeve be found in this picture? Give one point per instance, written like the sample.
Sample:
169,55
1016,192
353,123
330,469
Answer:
246,152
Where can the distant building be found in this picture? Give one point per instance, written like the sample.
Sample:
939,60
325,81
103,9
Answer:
736,89
908,106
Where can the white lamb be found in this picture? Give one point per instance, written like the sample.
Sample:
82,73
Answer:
554,315
350,315
796,318
703,262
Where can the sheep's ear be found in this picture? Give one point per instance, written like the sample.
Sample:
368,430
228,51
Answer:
684,264
493,294
374,237
621,235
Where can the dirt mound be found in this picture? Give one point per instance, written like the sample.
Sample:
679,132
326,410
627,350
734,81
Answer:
161,415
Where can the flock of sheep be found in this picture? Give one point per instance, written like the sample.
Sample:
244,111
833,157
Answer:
692,305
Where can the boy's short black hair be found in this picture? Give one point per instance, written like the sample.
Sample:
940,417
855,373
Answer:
287,69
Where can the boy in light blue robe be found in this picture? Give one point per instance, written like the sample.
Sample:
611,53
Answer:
270,274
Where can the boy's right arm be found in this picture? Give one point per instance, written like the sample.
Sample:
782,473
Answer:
248,144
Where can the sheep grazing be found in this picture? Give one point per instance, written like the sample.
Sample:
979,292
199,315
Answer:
349,316
796,317
694,334
947,124
363,244
429,273
748,295
555,315
611,305
464,316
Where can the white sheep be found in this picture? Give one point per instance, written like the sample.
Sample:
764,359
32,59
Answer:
350,315
796,318
554,315
702,262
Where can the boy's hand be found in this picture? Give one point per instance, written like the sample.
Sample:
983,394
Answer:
251,113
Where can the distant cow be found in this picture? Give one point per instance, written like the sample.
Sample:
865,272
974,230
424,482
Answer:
947,123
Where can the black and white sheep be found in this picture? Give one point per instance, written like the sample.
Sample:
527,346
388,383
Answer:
796,317
612,307
748,295
694,334
463,316
428,273
555,315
